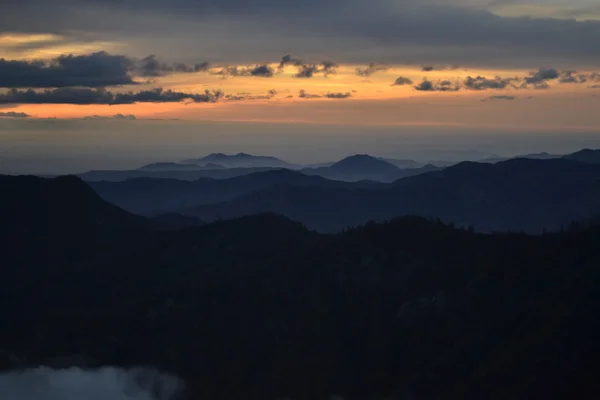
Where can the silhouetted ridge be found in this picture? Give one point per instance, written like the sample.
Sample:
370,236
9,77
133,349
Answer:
363,163
151,196
56,202
585,156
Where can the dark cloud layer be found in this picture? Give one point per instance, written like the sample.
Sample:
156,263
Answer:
93,70
84,96
427,31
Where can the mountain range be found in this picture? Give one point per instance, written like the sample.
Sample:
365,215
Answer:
519,194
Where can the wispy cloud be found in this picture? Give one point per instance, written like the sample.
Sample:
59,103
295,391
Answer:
370,69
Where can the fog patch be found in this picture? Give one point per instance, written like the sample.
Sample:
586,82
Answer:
44,383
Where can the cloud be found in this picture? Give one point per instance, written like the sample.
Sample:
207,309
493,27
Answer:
338,95
370,69
288,60
247,96
202,67
84,96
572,77
429,68
152,66
118,117
76,384
328,67
437,86
264,71
92,70
13,114
304,95
576,77
401,81
261,70
542,75
506,98
483,83
307,70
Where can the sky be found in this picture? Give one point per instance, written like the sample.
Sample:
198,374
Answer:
267,75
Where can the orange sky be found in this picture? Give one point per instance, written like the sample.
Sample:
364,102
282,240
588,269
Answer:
374,100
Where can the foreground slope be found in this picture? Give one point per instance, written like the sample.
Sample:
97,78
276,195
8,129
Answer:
262,308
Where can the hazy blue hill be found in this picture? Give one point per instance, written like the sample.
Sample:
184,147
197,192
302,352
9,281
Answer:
240,160
520,194
149,196
364,167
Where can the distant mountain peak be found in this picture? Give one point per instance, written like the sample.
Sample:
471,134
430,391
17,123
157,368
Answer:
241,160
588,156
364,162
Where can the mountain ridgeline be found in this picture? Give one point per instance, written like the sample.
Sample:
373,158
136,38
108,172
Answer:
520,194
260,307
